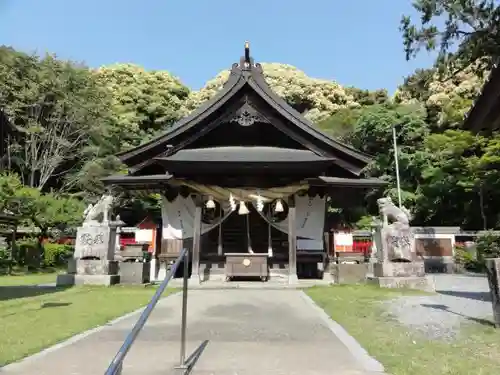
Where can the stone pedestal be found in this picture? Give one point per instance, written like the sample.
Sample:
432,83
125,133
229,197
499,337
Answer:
401,275
94,261
493,272
398,269
349,273
90,272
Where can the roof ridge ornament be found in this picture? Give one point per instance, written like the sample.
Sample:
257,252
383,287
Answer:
246,61
247,115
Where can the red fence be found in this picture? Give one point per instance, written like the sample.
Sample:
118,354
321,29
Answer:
361,246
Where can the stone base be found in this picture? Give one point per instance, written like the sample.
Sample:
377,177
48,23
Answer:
153,269
293,279
327,277
349,273
71,279
212,271
162,271
399,269
134,273
92,267
194,279
424,283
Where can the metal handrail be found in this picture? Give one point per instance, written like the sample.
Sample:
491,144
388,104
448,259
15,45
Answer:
115,366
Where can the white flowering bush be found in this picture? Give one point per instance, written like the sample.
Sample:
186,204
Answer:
466,85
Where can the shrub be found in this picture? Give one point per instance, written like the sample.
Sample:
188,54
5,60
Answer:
488,246
56,254
466,259
27,251
4,253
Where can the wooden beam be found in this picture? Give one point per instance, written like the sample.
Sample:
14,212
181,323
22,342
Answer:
195,263
292,242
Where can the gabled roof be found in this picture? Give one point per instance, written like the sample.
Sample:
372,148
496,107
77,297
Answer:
485,113
245,75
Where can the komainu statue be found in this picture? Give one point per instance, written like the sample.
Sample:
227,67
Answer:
396,231
99,213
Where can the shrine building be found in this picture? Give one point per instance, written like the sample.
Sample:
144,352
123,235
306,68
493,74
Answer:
245,182
484,116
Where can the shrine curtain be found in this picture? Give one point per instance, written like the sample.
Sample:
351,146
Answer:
178,218
310,217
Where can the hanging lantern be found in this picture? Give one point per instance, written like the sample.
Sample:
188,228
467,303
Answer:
232,202
243,209
260,204
279,206
210,203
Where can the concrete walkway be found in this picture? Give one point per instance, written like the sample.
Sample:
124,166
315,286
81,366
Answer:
248,331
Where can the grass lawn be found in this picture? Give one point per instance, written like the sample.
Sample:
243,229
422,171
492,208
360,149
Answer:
402,352
33,318
27,278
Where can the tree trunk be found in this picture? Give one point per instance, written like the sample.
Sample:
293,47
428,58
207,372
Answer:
481,207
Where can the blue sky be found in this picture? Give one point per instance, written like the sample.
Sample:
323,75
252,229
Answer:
354,42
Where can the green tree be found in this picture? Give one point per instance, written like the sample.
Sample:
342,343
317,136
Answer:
444,194
145,103
44,211
373,135
9,185
48,211
367,97
460,180
87,181
466,32
341,124
62,111
416,86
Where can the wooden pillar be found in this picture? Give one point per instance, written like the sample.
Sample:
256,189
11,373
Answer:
292,242
195,263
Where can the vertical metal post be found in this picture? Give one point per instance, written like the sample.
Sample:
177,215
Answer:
184,310
119,369
396,162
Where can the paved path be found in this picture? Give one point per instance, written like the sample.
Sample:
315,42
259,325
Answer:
249,331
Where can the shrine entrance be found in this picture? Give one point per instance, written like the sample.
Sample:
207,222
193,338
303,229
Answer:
219,170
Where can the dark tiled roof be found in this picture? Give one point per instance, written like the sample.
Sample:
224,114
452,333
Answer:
347,182
246,74
240,154
485,113
152,181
